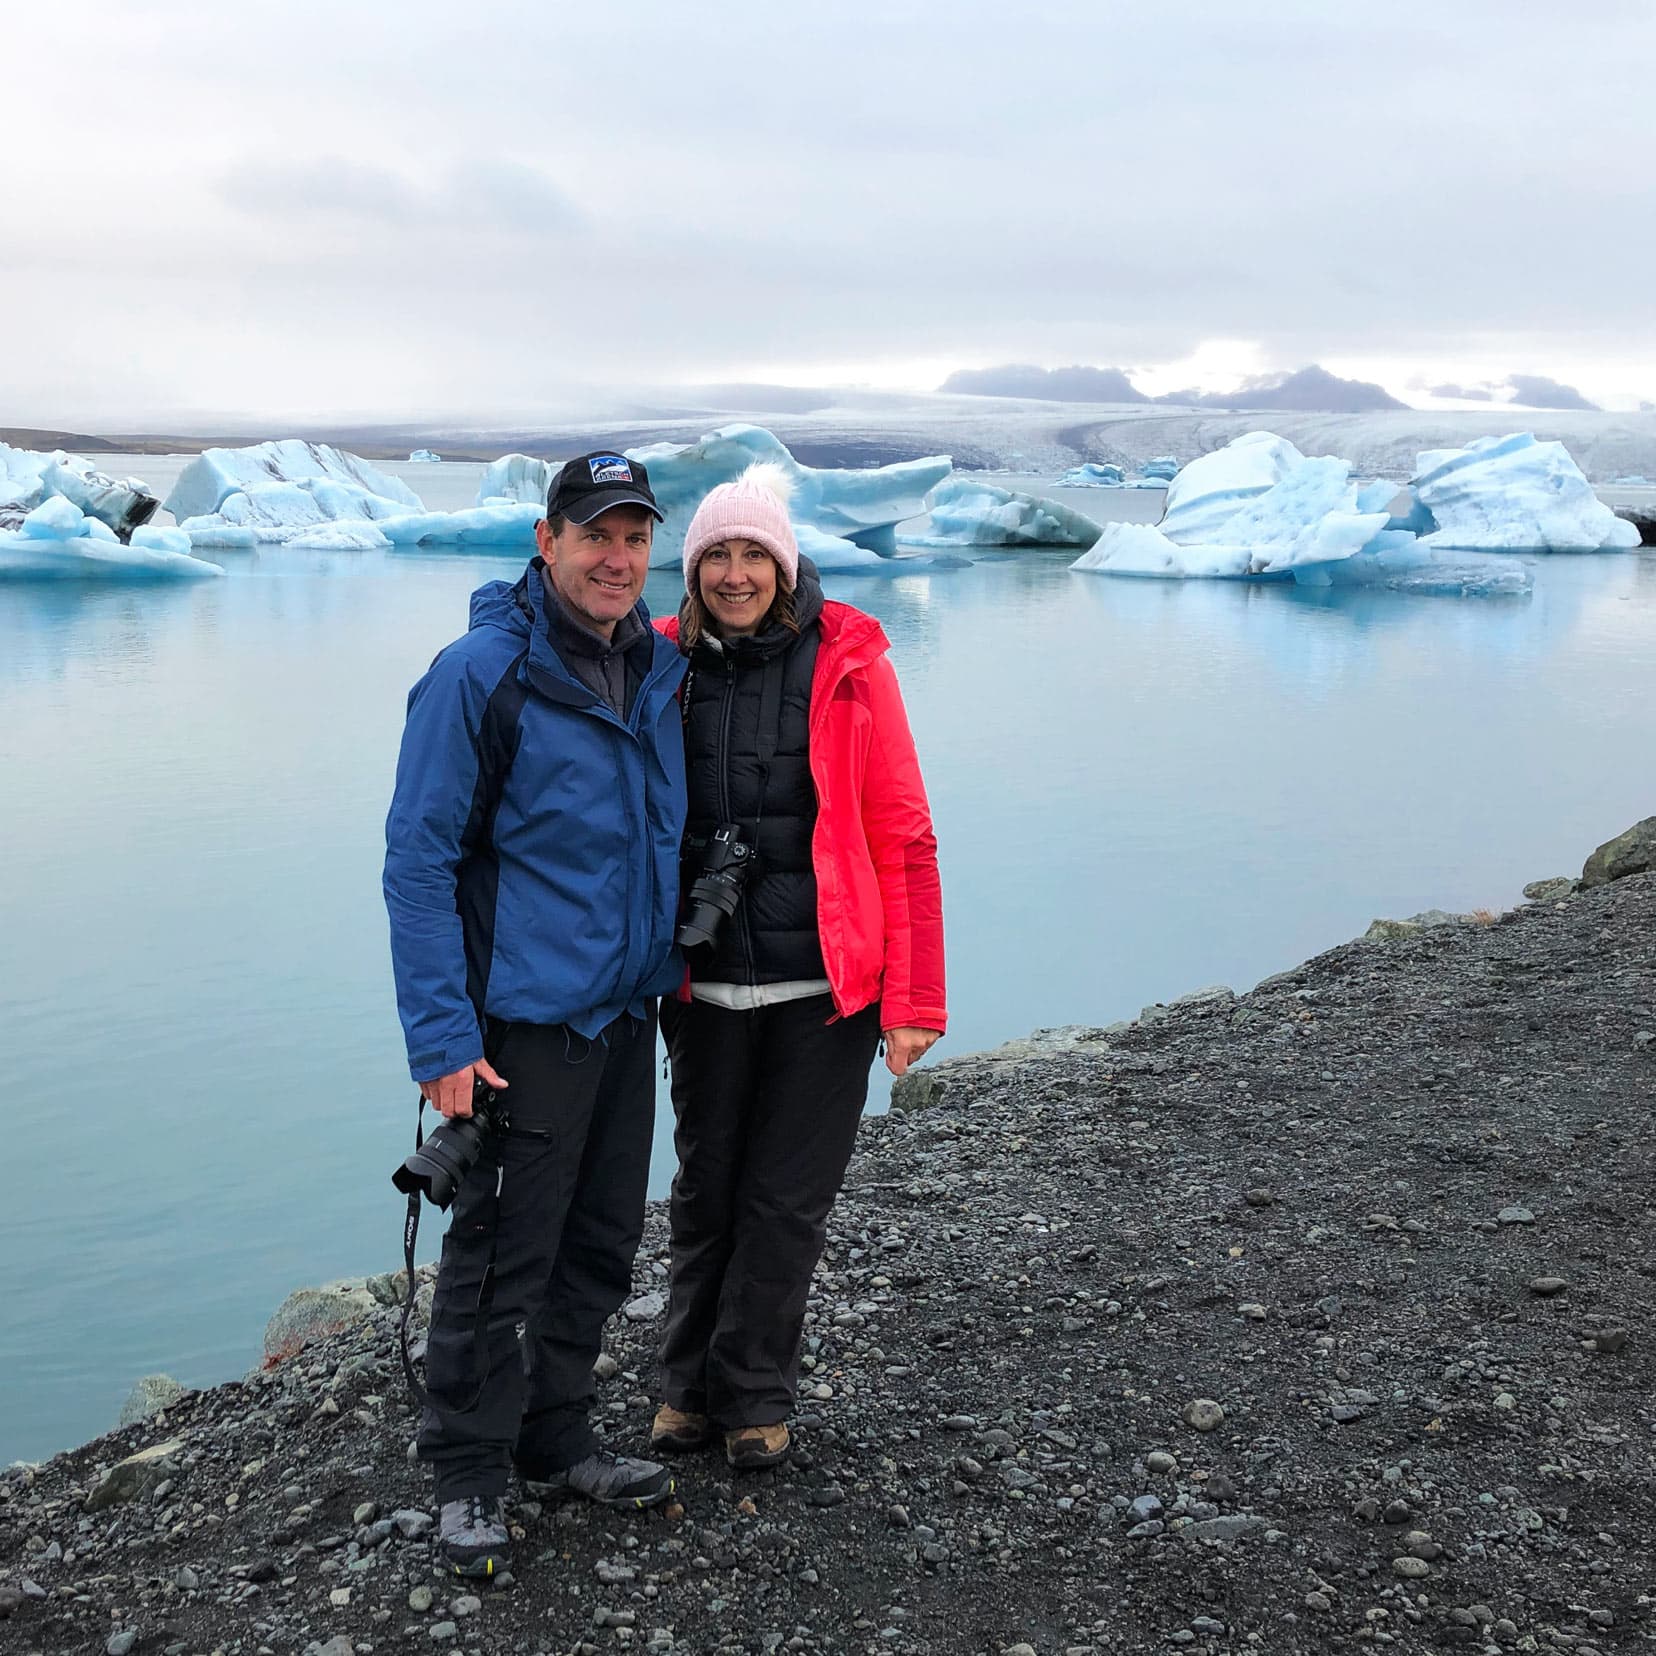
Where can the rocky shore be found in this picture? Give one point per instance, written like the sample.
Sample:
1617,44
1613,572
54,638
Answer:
1319,1318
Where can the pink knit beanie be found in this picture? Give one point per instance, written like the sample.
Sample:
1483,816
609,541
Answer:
754,507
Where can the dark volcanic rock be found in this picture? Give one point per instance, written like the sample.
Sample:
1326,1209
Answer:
1024,1286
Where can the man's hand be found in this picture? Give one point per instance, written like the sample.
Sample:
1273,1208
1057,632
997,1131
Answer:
904,1046
451,1095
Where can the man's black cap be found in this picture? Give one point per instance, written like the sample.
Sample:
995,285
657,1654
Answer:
592,483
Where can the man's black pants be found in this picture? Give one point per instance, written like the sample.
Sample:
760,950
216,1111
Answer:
560,1203
767,1105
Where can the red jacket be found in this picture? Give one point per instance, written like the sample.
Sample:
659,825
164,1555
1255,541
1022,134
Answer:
879,899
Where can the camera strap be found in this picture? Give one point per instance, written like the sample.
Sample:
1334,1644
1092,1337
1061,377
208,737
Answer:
485,1297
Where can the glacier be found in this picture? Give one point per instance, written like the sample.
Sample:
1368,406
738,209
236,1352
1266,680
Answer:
56,540
1258,509
967,512
1514,494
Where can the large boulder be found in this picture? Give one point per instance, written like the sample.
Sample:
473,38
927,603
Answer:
136,1476
1631,853
309,1314
149,1395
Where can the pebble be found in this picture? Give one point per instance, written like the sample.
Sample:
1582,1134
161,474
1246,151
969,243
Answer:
606,1367
420,1599
1144,1508
1318,1601
120,1643
442,1630
1547,1286
1202,1414
1515,1216
1160,1462
1411,1566
411,1524
366,1513
468,1604
646,1308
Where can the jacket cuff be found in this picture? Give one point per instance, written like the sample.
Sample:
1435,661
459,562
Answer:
428,1066
905,1015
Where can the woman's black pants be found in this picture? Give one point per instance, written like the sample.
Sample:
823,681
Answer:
767,1104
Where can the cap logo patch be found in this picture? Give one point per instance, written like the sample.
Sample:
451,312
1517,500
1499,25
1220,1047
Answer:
610,468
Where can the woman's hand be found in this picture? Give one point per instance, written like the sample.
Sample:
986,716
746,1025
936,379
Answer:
905,1046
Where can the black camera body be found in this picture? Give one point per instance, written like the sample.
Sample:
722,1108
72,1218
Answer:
728,862
438,1166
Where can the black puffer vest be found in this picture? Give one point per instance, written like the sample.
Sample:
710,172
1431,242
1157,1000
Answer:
747,734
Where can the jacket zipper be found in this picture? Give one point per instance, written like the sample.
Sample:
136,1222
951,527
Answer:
744,937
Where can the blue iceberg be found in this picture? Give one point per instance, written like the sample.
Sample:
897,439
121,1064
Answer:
56,540
272,491
863,507
1258,509
1514,494
968,512
425,457
1093,474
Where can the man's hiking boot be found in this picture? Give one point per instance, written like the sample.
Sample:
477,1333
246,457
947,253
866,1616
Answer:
751,1447
609,1479
472,1538
678,1431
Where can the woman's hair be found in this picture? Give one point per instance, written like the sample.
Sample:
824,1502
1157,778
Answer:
696,623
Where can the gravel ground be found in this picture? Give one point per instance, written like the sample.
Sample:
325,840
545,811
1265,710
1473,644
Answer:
1311,1320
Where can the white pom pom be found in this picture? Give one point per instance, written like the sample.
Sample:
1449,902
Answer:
771,476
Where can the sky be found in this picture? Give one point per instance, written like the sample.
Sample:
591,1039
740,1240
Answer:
363,210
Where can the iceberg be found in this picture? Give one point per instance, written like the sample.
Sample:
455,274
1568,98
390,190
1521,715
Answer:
519,478
1514,494
1101,474
275,489
27,479
429,457
56,540
1093,474
1260,510
863,507
1208,492
497,525
966,512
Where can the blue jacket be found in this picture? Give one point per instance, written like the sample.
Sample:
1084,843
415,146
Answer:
531,851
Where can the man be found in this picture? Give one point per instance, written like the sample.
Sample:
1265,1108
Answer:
531,874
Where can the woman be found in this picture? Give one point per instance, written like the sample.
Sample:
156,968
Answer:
795,736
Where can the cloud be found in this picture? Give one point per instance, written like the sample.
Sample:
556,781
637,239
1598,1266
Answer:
502,196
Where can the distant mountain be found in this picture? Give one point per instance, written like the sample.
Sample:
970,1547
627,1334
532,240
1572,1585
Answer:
1537,391
1103,385
1311,390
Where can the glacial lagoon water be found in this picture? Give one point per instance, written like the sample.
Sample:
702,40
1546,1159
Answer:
1140,788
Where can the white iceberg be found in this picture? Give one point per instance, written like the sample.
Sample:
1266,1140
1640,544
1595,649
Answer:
967,512
863,506
1208,492
1514,494
427,457
276,489
57,541
1260,510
